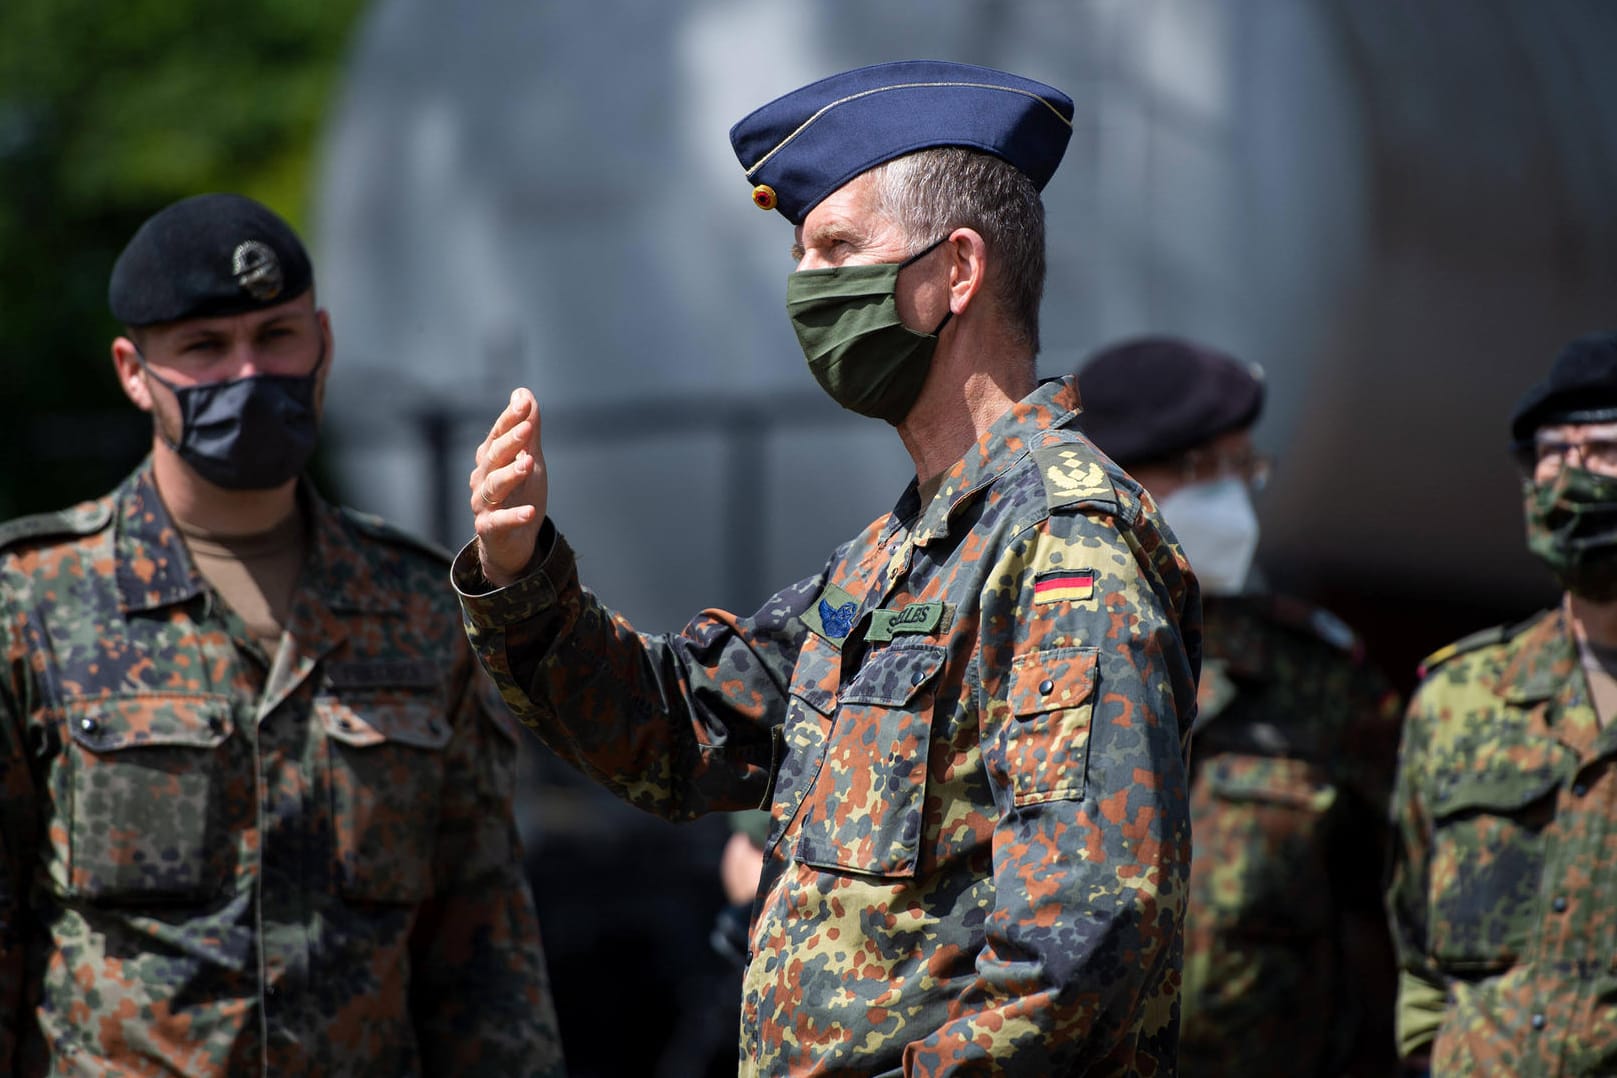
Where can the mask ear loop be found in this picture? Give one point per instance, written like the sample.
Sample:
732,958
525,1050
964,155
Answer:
172,388
916,257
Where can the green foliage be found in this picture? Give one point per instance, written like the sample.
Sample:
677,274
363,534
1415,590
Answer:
107,113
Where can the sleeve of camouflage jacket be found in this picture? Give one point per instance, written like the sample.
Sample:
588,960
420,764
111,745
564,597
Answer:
1421,991
1081,711
480,992
19,821
677,725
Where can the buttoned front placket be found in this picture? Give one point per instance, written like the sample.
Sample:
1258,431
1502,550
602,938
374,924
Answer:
1575,962
295,857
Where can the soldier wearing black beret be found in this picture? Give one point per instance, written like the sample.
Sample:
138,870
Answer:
1288,967
1505,866
979,839
255,798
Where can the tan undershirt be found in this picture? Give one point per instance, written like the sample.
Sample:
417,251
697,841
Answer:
1598,666
255,574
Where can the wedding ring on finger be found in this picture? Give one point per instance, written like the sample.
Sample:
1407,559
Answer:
492,503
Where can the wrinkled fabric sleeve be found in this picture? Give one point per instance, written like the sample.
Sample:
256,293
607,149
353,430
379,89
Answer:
19,822
1085,716
480,993
1421,988
676,725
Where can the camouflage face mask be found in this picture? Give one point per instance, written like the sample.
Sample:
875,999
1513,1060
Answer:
1572,527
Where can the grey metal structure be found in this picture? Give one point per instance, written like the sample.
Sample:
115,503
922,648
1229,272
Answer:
1400,210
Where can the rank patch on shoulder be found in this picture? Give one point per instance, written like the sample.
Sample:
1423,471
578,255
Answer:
1063,585
832,614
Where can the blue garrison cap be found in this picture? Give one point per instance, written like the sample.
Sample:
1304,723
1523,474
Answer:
801,147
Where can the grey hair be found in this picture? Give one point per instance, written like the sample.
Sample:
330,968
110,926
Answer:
930,193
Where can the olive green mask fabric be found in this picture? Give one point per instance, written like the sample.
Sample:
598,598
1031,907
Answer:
1572,528
857,347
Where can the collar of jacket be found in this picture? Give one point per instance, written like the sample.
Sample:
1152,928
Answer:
1542,660
154,567
1052,404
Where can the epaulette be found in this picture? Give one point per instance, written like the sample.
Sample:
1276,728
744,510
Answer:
1072,475
378,528
1496,634
1316,621
86,518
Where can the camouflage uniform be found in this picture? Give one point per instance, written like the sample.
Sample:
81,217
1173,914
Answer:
971,729
1504,891
1291,776
210,868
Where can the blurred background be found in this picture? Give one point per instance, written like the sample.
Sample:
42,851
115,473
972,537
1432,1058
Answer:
1401,211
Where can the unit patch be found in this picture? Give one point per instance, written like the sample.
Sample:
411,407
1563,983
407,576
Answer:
832,614
1064,585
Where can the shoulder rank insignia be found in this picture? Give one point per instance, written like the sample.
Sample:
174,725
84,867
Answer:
83,519
1483,638
1071,473
832,614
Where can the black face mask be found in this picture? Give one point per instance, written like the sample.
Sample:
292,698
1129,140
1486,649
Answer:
1572,527
251,433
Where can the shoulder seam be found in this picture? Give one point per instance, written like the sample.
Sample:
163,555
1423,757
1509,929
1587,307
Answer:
1489,637
379,528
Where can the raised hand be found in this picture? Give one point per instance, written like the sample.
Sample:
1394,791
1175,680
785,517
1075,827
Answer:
509,490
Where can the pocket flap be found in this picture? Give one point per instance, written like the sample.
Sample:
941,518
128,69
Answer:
1281,780
1052,679
1494,792
892,676
365,720
110,724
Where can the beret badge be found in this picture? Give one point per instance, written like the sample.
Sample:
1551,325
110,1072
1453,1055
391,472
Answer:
763,196
257,270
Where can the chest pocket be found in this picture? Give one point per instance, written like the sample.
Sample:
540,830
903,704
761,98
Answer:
1261,826
385,751
1487,859
149,792
864,812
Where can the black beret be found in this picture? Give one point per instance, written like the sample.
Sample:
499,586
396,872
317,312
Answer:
1581,388
204,256
801,147
1152,397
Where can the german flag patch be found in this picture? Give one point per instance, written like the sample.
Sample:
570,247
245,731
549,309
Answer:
1064,585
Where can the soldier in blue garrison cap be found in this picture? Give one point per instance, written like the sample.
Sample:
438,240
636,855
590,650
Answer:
969,726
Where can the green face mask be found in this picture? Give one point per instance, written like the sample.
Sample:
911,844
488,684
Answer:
1572,527
857,347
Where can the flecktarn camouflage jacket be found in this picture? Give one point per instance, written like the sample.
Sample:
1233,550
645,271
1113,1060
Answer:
212,867
1504,890
970,729
1289,971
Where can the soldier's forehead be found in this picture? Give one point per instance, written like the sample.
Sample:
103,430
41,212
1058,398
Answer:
1578,431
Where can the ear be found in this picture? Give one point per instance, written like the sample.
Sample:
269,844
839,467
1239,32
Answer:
131,379
327,342
968,267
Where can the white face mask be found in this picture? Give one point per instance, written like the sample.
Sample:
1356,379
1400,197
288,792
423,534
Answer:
1218,529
